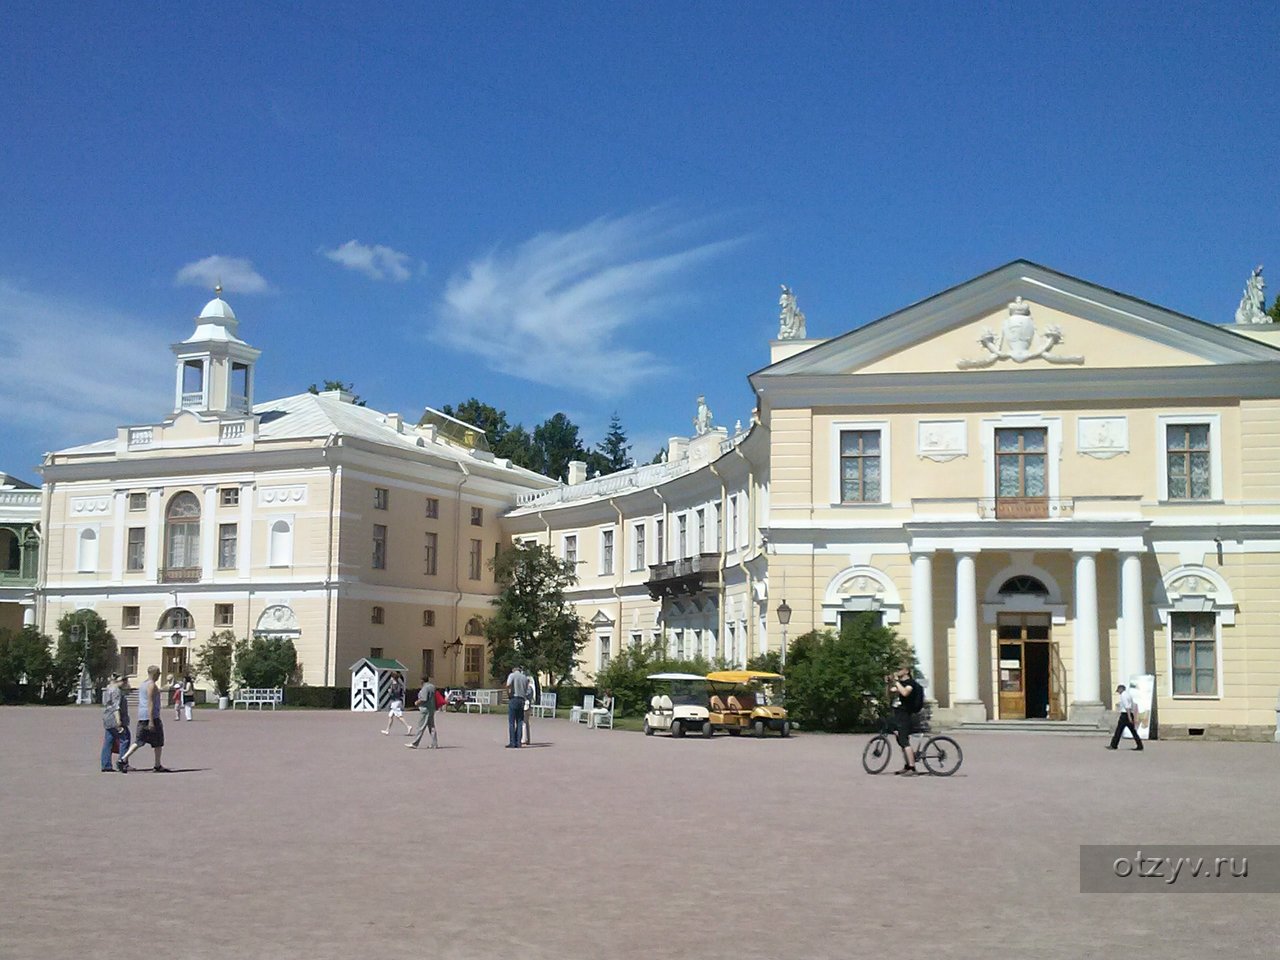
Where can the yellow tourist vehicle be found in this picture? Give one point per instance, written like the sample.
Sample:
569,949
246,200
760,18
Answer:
739,703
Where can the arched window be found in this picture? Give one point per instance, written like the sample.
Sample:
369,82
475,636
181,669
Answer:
280,551
182,532
176,618
474,627
1023,584
87,551
10,551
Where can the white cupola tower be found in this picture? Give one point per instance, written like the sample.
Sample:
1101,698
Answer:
214,366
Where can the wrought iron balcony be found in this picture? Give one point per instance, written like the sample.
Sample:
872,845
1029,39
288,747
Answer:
16,578
1026,508
687,576
180,575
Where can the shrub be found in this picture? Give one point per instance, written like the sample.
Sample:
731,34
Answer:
326,698
625,676
102,654
214,661
265,661
25,664
829,674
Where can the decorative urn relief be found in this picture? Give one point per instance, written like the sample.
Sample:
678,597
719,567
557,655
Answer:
1017,341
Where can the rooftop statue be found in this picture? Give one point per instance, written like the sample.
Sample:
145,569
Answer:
790,319
1253,305
702,422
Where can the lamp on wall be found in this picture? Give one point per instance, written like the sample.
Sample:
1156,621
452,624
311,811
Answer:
455,645
784,618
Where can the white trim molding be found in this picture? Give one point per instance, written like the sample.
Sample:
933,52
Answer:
861,587
1166,420
993,603
886,455
1012,421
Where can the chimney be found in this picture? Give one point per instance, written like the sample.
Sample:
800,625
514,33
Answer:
395,422
577,472
677,449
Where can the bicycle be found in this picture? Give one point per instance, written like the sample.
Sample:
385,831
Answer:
940,754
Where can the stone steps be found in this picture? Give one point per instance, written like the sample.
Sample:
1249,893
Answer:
1051,727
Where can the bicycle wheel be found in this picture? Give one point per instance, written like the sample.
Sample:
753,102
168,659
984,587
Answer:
942,756
876,754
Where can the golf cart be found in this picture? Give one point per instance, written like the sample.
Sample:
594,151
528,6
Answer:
681,708
738,704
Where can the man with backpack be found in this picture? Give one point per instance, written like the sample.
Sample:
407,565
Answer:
908,700
428,699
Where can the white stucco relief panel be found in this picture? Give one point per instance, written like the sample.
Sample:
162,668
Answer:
941,440
289,496
1102,437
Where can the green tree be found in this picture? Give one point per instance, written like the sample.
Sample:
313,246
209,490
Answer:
614,449
265,661
517,446
489,419
214,661
659,456
25,662
533,623
829,675
556,442
340,385
101,650
1274,312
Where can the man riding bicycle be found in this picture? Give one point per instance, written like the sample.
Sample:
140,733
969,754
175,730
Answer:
908,700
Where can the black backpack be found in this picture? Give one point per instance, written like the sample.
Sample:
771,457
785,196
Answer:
915,699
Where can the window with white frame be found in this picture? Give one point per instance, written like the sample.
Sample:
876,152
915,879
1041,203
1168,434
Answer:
716,530
660,541
700,543
1192,462
638,546
136,551
137,502
570,551
606,552
860,466
229,496
1195,653
605,641
731,534
224,614
682,536
430,554
637,640
130,618
228,537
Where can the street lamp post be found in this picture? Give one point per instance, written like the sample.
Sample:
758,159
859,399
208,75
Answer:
784,618
83,695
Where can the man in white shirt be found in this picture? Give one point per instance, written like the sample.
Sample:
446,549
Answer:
1128,708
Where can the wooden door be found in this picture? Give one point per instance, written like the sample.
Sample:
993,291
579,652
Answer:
1011,683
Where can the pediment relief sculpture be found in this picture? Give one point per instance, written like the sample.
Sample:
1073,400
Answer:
1017,341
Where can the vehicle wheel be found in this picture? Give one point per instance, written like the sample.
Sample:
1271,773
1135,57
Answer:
706,730
876,754
759,728
786,728
942,756
677,728
648,730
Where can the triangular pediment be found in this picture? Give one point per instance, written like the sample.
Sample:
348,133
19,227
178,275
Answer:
1023,317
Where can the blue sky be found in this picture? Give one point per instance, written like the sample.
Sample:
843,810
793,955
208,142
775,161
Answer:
588,207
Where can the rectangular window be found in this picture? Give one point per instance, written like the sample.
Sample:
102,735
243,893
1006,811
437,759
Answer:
430,554
473,659
227,537
380,498
859,466
605,642
433,508
700,544
477,516
379,547
224,614
377,616
732,532
639,555
660,541
1195,654
137,502
1188,458
129,661
375,653
1021,459
229,496
606,551
571,549
637,640
136,554
474,560
428,664
718,530
428,618
682,532
131,617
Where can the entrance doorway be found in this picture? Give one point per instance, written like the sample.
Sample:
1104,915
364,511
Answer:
173,662
1032,681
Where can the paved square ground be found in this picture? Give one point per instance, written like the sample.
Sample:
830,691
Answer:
308,834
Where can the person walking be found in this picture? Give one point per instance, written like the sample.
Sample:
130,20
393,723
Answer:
517,688
176,688
1128,708
150,730
426,714
115,723
397,706
530,698
188,694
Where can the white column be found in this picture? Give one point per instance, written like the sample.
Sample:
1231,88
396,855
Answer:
966,685
1133,646
922,619
1088,678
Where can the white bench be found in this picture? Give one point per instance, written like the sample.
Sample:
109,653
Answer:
258,695
483,699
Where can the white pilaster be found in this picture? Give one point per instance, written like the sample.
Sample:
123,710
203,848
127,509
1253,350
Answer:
244,536
922,618
1133,652
119,536
1087,704
155,534
967,704
208,532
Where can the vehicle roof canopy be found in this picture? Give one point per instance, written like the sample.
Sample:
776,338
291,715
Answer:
742,676
675,676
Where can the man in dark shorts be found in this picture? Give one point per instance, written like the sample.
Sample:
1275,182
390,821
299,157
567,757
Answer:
908,700
150,730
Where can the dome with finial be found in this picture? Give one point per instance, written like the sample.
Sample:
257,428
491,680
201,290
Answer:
217,308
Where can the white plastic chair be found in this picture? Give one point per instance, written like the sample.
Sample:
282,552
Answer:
582,714
600,717
546,706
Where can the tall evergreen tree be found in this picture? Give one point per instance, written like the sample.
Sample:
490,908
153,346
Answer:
614,448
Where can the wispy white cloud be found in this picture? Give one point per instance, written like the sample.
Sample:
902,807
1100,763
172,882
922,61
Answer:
236,274
72,372
375,261
557,309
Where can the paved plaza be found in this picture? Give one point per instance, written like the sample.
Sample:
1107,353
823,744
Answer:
308,834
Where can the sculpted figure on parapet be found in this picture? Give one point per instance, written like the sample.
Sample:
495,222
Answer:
1253,305
790,320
